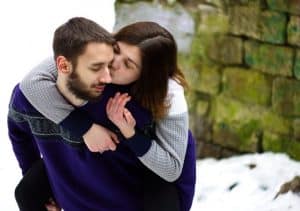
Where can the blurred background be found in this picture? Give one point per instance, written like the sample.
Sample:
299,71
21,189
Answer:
242,61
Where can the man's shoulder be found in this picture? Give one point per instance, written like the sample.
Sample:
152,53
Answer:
19,102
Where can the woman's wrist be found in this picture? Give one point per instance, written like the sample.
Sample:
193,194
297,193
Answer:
128,133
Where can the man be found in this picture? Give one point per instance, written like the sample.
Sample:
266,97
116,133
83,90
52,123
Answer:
80,180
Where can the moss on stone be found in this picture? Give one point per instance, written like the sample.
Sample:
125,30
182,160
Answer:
275,123
239,137
275,60
247,85
286,97
277,143
272,27
202,107
297,65
209,80
293,30
274,142
226,50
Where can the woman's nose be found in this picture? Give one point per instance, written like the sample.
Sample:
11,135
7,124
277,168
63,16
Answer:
116,64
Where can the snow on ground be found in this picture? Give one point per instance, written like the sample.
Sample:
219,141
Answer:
231,185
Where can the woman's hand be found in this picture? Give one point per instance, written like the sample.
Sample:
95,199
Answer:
121,116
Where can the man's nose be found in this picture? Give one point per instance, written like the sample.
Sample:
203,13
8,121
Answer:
105,76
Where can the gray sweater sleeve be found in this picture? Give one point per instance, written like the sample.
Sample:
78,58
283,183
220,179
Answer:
166,154
39,87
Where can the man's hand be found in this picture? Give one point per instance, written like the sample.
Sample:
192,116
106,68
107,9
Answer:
121,116
100,139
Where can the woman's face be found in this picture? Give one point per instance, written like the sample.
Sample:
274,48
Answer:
126,66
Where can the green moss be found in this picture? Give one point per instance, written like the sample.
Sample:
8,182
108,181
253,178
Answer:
239,83
197,54
277,143
297,65
239,137
202,107
294,149
273,142
276,123
272,26
247,129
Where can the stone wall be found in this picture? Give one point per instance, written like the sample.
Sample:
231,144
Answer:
242,60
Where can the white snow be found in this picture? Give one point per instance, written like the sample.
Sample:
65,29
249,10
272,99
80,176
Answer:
254,189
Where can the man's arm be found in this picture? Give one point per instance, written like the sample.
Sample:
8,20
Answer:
23,143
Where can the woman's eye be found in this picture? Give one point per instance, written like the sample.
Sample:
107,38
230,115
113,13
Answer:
128,65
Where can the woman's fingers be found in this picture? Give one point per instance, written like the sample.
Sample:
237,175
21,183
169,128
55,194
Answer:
128,116
122,102
118,102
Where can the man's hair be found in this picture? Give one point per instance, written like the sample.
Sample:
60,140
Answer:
71,38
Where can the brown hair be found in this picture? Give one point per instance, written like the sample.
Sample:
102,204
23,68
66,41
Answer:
71,38
159,62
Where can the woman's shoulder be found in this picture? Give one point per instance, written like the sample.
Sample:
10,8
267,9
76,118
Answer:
174,86
176,98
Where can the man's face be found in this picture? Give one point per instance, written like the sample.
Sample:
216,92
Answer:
126,66
88,79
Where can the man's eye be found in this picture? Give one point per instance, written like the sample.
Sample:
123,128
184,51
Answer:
94,69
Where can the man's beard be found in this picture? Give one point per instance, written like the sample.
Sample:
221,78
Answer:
79,89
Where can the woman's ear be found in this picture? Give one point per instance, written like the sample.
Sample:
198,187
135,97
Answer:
63,65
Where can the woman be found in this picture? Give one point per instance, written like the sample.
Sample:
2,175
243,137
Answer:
145,58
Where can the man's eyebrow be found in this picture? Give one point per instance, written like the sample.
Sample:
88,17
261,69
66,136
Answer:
99,64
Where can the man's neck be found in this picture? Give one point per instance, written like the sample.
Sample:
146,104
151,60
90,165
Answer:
63,89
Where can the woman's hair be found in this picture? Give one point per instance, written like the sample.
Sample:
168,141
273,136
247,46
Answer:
158,63
71,38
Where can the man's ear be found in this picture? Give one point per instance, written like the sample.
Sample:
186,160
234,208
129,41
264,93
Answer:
63,65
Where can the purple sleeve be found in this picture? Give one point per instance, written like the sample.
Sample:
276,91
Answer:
78,122
23,143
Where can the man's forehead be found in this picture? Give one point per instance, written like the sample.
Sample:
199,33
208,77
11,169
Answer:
98,52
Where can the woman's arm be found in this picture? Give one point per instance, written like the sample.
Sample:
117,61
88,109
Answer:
164,154
39,87
167,152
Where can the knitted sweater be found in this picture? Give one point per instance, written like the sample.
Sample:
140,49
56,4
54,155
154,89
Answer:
80,179
166,154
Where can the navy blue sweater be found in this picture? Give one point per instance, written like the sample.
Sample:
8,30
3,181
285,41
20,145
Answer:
80,179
